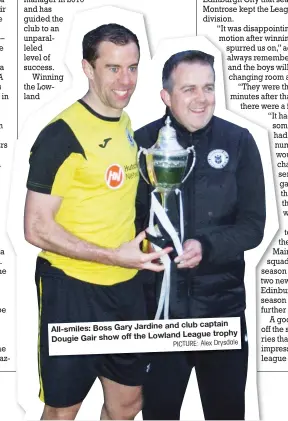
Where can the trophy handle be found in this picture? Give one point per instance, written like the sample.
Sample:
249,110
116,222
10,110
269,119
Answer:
190,149
139,164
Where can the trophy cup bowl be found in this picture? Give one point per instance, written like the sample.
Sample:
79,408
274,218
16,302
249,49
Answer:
166,169
166,161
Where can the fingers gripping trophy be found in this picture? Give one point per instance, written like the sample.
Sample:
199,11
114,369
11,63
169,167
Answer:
166,163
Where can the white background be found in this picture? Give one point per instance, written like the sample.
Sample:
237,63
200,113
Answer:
162,21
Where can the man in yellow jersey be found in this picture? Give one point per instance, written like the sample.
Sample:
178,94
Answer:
80,211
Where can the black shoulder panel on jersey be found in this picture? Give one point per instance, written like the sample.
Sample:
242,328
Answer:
53,146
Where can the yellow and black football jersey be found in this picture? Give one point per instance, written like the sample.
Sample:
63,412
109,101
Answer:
90,161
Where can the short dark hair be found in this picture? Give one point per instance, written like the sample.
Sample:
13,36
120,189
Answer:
112,32
189,56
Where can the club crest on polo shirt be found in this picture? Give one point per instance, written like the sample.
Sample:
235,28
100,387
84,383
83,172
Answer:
218,158
114,176
130,138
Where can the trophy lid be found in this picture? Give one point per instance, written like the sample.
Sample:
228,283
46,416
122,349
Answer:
167,138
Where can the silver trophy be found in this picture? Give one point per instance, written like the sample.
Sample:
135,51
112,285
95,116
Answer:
166,162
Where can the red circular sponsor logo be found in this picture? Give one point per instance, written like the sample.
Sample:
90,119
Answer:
114,176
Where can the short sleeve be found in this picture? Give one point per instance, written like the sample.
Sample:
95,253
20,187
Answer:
53,159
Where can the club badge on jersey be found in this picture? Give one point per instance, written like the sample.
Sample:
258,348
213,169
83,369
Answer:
130,138
218,158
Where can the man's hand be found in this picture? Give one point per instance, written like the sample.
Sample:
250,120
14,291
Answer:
43,231
192,255
129,255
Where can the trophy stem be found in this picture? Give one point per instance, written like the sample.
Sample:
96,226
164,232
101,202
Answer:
164,197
